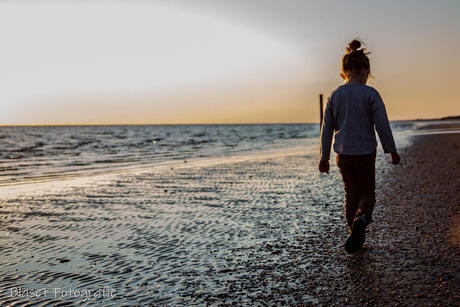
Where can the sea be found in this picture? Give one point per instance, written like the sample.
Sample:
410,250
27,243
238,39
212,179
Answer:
46,153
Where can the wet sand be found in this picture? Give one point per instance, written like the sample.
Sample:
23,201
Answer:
261,231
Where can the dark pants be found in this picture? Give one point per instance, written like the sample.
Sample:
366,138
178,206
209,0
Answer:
358,174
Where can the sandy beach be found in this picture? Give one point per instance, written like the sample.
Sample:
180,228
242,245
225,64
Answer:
263,231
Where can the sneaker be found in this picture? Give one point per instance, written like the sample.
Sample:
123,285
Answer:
357,237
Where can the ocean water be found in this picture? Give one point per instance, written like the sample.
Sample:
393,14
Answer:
43,153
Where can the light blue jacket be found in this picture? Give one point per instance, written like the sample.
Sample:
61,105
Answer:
351,113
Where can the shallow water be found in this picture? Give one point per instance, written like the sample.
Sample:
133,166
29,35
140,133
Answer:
173,236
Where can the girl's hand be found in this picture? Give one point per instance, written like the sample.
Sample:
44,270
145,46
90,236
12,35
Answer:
324,166
395,159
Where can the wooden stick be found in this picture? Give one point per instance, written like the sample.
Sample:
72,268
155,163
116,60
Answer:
320,110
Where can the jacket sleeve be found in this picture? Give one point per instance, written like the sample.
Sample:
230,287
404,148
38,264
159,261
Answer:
327,131
382,125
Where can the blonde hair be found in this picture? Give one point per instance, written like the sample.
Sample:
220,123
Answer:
355,60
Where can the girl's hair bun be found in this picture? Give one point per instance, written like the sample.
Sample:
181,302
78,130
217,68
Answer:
355,60
353,46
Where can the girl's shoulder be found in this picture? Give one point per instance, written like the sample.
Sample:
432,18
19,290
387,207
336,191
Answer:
354,89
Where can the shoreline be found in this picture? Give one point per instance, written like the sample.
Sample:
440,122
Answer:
53,185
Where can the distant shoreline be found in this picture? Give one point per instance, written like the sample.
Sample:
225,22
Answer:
436,119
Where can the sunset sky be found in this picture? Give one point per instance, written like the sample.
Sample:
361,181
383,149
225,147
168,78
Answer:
211,61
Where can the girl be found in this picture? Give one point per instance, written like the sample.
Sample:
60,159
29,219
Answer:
352,112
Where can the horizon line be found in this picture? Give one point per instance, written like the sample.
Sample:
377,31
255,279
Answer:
213,124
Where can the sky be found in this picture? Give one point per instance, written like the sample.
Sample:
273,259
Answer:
213,61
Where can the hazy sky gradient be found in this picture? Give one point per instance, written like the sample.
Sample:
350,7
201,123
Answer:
210,61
